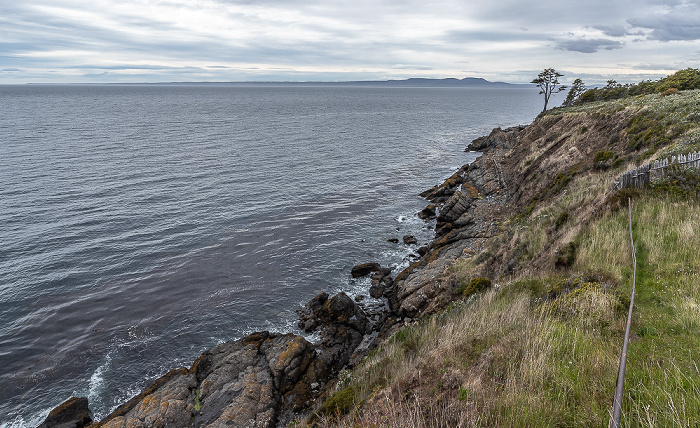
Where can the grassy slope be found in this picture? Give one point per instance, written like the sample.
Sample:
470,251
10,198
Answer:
542,347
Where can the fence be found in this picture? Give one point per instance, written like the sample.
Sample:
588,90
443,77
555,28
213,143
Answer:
619,387
642,175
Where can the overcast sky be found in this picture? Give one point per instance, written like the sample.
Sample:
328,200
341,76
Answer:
339,40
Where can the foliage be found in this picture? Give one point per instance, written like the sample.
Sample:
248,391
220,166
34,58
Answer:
339,403
548,82
682,80
476,285
577,89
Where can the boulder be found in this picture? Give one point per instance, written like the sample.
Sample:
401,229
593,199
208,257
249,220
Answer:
308,314
72,413
427,212
409,240
376,290
364,269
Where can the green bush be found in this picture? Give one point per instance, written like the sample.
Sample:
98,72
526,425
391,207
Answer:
474,286
339,403
603,155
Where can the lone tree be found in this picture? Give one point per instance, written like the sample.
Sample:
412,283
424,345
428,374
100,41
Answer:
548,82
577,88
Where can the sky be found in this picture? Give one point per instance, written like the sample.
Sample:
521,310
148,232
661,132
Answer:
112,41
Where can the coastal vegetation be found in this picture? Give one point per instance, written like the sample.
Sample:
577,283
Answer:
534,337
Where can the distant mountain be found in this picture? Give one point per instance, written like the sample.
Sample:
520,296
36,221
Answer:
448,82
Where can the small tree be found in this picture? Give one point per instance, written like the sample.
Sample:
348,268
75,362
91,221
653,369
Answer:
548,82
577,88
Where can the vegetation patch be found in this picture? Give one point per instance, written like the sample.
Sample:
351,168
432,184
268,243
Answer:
339,404
565,255
476,285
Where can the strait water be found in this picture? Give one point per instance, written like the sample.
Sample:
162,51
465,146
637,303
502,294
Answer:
140,225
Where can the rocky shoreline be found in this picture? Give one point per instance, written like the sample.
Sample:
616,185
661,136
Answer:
269,379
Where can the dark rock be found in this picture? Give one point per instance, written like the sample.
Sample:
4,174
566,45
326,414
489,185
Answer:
393,240
359,298
498,138
376,290
386,271
340,309
73,413
422,250
427,212
364,269
308,318
409,240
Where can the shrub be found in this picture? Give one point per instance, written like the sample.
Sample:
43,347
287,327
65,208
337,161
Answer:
339,403
565,256
476,285
603,156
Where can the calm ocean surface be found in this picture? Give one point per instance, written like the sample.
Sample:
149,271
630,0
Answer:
140,225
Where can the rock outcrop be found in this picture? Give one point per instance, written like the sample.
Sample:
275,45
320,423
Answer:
259,381
73,413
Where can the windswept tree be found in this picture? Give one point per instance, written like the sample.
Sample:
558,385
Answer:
548,82
577,88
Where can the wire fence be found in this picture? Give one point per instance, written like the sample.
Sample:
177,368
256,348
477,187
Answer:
617,401
642,175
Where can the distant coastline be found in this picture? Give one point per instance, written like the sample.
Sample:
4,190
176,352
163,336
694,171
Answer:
414,82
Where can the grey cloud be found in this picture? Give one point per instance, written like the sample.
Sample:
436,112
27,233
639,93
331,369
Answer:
612,30
588,45
680,23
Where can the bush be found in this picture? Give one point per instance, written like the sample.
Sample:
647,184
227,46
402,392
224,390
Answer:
565,256
603,156
339,403
476,285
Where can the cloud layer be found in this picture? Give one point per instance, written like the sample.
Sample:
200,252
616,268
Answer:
236,40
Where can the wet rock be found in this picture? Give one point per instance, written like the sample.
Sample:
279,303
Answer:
308,315
422,250
409,240
376,290
427,212
393,240
73,413
343,326
364,269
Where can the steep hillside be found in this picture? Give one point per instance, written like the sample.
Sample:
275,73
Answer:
515,314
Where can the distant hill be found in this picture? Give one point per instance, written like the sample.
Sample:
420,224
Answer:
471,82
448,82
